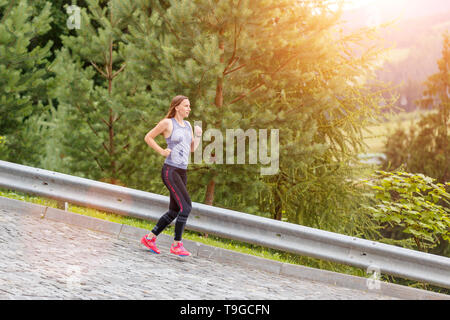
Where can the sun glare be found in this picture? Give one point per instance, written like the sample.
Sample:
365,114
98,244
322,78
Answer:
392,5
354,4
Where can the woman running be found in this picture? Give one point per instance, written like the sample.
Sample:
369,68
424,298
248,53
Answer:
180,142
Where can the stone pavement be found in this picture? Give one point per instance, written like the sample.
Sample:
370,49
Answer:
44,259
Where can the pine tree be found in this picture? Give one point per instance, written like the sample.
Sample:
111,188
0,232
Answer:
23,78
58,24
192,62
101,101
243,64
270,65
316,96
148,57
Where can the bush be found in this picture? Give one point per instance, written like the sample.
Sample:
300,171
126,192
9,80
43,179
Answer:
415,205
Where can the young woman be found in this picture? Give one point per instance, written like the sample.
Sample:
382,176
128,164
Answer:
180,142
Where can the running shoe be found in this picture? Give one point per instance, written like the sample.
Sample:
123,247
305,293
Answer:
150,244
179,250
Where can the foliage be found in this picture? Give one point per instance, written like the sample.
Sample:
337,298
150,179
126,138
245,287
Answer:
414,203
320,124
426,149
23,78
58,24
98,101
208,51
243,65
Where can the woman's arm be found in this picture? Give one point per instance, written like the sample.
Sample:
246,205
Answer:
162,126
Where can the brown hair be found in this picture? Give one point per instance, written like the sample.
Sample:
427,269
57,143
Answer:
175,103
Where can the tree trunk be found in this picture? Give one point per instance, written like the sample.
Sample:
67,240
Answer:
218,101
209,197
278,214
111,116
219,88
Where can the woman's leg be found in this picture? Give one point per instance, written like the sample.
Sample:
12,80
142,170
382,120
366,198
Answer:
183,215
175,182
170,215
167,218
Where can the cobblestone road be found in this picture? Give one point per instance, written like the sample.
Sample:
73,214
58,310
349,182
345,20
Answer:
43,259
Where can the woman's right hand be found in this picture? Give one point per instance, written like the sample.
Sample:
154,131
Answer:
166,152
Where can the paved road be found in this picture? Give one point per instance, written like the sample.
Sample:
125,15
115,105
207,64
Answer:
44,259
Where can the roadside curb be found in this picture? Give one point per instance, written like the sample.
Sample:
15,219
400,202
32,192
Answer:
223,255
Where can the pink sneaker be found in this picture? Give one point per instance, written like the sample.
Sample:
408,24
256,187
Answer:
179,250
150,243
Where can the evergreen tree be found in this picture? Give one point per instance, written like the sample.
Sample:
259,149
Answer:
321,102
269,65
58,25
161,69
23,78
191,60
244,64
101,101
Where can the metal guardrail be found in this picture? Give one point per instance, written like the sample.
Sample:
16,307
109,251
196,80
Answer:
369,255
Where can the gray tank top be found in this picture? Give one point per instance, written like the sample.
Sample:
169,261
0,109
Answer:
180,144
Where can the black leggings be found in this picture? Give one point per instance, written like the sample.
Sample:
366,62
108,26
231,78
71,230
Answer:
180,205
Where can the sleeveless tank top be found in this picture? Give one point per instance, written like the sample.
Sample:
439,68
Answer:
180,144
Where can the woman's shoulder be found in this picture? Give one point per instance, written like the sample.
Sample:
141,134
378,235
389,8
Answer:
166,121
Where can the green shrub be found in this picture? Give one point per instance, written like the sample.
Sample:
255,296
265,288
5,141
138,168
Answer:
414,204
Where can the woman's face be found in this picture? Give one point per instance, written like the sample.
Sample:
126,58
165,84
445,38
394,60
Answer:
184,108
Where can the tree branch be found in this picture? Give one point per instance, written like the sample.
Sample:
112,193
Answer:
243,95
7,11
118,71
233,60
106,123
84,116
95,158
99,70
106,148
235,69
